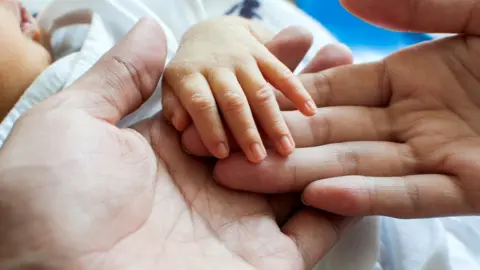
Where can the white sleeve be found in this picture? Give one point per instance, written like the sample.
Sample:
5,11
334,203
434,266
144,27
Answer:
119,16
179,15
430,244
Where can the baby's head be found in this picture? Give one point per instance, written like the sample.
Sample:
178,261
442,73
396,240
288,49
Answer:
22,57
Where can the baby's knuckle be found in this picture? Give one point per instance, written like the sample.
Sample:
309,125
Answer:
177,70
286,76
243,58
233,102
264,95
279,127
201,103
250,134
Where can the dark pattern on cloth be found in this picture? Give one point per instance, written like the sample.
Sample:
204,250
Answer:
247,9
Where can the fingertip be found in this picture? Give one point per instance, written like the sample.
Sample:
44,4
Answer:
304,201
180,120
221,151
285,146
310,108
192,142
325,195
222,173
215,141
292,87
256,153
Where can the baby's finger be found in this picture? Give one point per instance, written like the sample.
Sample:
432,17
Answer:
261,97
195,95
236,112
173,110
192,143
284,80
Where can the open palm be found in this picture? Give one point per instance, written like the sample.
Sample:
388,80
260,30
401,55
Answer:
79,192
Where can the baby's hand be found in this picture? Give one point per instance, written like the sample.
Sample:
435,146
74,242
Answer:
221,63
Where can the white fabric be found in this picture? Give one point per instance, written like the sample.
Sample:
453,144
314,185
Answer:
373,243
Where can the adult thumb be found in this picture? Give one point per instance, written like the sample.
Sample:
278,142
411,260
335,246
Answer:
439,16
123,79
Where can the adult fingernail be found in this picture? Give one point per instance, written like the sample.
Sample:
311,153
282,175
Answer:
303,201
312,107
258,152
222,151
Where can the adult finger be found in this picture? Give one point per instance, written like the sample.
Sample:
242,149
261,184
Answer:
339,124
315,233
351,85
123,79
284,206
291,45
331,55
280,175
329,125
441,16
415,196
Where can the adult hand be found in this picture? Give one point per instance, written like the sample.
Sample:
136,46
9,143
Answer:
403,137
78,192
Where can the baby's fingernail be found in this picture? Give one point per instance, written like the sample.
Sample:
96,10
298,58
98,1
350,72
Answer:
312,107
258,152
222,151
285,144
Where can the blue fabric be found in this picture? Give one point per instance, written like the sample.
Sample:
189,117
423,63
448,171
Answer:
355,33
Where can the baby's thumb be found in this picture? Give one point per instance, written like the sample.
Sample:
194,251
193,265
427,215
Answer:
123,79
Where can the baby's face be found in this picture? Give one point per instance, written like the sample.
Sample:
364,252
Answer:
22,58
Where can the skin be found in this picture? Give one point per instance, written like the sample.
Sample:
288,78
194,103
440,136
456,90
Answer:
76,192
222,66
23,58
398,137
